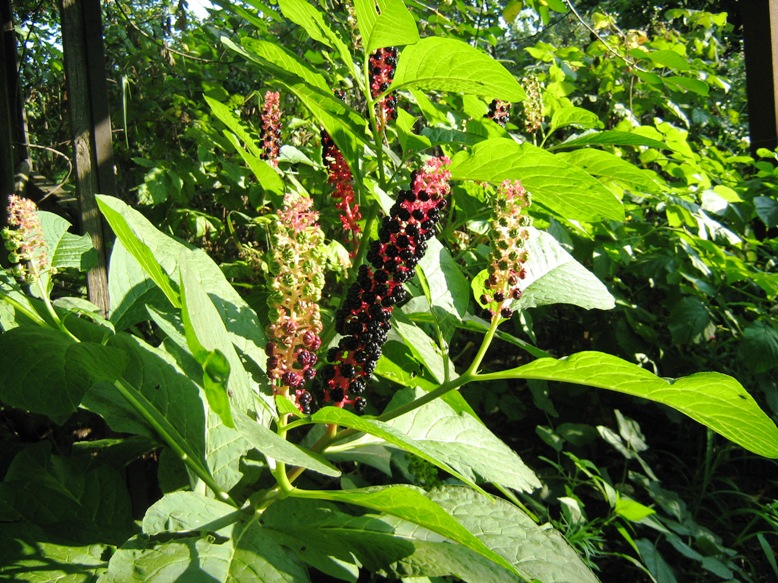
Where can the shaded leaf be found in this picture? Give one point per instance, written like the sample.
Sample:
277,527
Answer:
759,346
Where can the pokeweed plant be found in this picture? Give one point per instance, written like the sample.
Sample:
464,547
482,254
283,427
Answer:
253,418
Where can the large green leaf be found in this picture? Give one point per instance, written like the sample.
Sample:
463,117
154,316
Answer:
553,276
44,371
138,234
286,60
574,116
119,216
189,512
277,448
713,399
462,441
537,552
554,183
66,249
130,289
381,544
385,23
409,504
445,64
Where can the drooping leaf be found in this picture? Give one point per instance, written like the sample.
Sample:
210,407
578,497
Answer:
286,60
444,64
385,23
275,447
462,441
557,185
686,85
536,552
409,504
610,138
713,399
342,417
44,371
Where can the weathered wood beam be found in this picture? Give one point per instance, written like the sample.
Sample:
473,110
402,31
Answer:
760,27
91,128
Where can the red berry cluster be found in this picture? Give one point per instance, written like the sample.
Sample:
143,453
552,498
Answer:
382,64
339,176
499,111
363,320
270,132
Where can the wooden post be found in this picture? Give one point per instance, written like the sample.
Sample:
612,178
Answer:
760,25
10,107
90,119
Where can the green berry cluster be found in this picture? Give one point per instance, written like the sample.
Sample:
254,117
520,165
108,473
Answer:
24,239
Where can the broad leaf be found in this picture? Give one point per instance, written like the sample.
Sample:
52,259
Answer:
189,512
277,448
315,24
610,138
381,543
444,64
553,276
409,504
463,442
759,347
380,429
609,168
67,494
286,60
66,249
690,322
44,371
554,183
537,552
713,399
240,320
385,23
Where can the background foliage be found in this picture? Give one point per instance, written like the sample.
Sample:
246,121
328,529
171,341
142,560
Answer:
639,491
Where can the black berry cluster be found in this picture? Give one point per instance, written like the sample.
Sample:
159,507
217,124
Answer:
383,63
270,131
499,111
363,319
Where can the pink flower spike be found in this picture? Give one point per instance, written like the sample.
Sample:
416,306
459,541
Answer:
271,127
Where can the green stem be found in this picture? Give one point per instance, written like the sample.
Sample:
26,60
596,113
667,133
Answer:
201,472
21,308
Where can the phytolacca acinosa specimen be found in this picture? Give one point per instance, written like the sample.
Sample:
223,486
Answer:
363,319
270,132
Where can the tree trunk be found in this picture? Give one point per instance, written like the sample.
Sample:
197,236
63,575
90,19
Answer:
82,43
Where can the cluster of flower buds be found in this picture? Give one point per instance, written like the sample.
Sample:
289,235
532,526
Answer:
339,176
499,111
24,240
383,63
297,280
363,319
509,233
271,127
533,105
